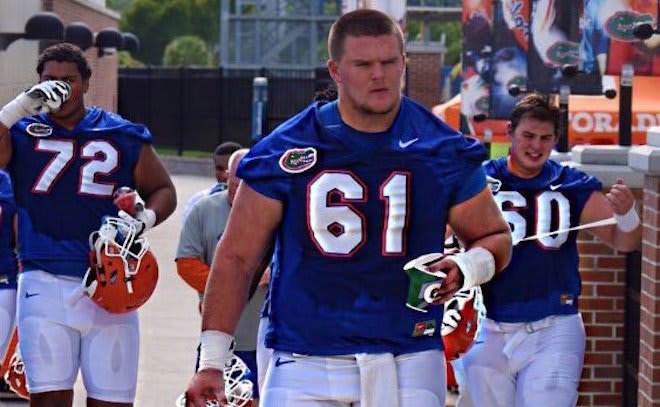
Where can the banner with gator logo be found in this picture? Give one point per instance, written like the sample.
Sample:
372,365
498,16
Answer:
477,19
555,40
508,64
615,20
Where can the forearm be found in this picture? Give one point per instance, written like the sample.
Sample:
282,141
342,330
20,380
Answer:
162,201
627,234
5,146
226,294
499,245
628,241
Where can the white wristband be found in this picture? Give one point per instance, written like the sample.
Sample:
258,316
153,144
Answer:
628,221
148,216
477,266
12,112
216,350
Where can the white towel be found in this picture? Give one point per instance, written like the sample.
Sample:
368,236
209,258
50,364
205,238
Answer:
379,386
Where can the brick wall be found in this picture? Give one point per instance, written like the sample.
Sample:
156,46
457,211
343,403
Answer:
424,70
103,85
646,159
649,347
603,286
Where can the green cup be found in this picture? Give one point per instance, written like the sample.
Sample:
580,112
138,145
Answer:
423,285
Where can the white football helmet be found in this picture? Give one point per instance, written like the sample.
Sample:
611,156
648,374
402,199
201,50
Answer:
238,390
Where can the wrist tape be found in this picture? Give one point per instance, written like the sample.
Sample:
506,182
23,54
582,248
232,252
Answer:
216,350
477,266
628,221
148,217
12,113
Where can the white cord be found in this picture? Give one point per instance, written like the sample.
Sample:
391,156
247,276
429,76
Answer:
598,223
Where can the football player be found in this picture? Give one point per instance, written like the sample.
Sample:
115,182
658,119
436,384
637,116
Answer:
530,347
352,190
66,161
197,241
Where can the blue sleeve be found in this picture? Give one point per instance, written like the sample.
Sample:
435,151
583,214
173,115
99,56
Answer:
471,177
473,183
264,168
260,170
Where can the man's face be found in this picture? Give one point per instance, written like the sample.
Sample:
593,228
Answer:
531,144
369,73
67,72
221,163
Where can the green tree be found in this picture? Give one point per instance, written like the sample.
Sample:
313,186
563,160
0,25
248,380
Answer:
187,50
124,58
158,22
119,5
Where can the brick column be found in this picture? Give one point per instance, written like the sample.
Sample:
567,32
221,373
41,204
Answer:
602,269
646,159
424,70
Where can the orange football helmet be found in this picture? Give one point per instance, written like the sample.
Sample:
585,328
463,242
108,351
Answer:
123,272
13,370
460,321
15,376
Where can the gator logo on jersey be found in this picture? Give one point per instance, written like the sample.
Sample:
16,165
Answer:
297,160
620,26
39,130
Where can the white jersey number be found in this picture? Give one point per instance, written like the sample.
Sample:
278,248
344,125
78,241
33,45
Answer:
102,159
339,229
544,214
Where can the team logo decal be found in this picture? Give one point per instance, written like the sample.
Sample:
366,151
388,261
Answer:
39,130
563,52
620,26
297,160
424,328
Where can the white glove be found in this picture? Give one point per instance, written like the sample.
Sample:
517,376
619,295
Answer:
143,220
44,97
133,210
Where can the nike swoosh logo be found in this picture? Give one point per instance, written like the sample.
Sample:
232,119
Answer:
404,144
280,362
28,295
554,187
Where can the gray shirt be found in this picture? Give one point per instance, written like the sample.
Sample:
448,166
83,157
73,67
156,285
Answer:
201,231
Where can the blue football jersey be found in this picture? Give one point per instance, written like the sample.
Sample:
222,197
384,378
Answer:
8,263
356,207
542,278
64,181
